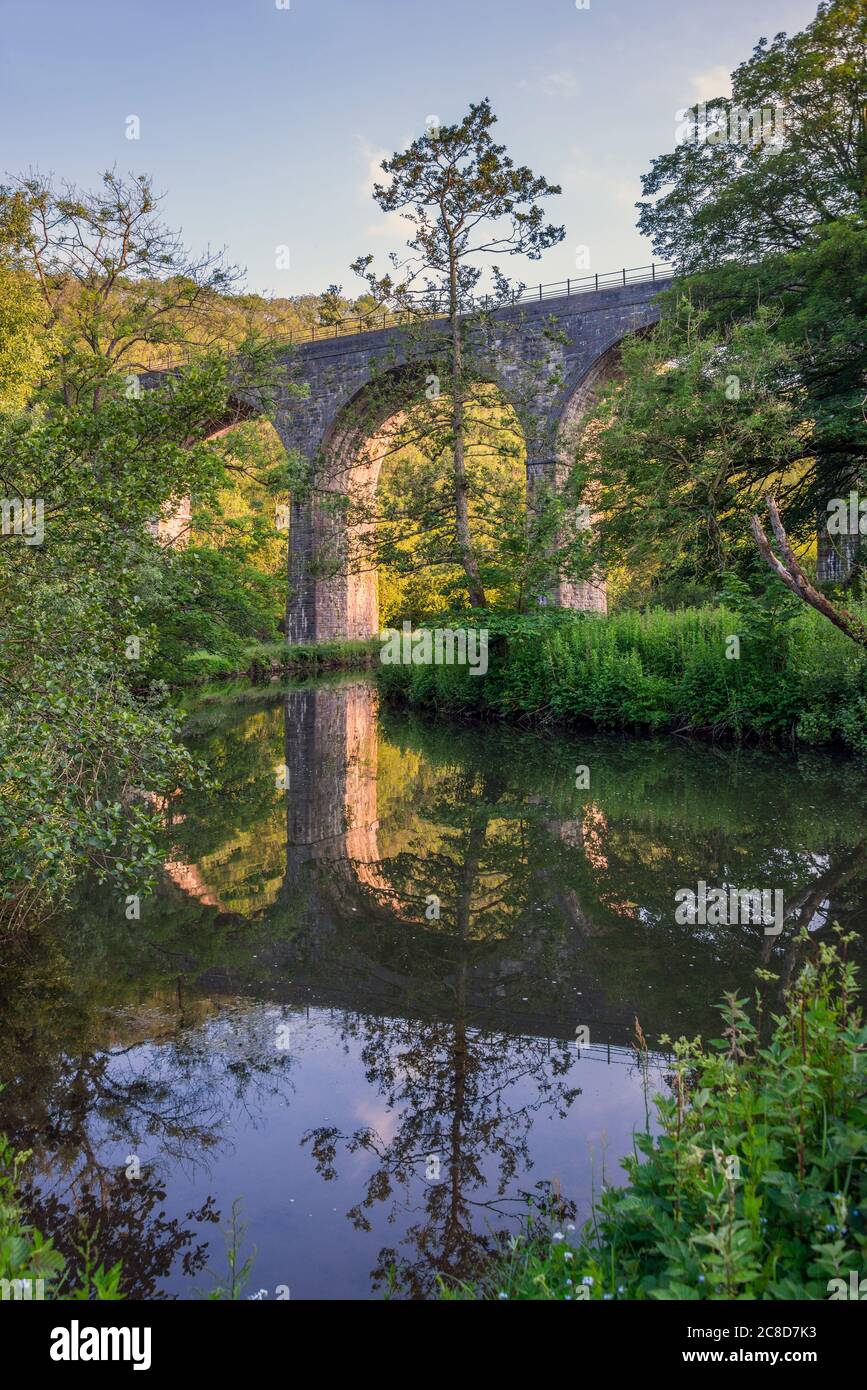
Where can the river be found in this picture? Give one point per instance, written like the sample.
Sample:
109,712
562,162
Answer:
386,987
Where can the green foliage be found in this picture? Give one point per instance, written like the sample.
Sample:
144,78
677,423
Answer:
211,603
87,745
26,1255
755,1185
24,343
714,196
117,289
796,677
416,552
703,422
753,384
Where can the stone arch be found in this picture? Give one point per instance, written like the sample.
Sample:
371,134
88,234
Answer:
173,528
340,583
586,595
585,393
336,372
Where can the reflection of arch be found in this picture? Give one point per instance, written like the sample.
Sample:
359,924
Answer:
188,877
331,749
334,858
330,752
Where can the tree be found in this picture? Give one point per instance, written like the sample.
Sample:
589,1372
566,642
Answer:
788,570
117,286
25,346
465,198
753,384
755,173
683,447
83,730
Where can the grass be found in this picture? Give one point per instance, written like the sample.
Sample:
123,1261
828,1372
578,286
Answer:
261,660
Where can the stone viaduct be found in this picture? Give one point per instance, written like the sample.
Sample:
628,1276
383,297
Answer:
563,345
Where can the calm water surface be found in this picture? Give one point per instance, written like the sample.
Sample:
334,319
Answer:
349,1008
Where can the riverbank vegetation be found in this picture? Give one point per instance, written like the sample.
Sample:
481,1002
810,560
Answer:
31,1267
750,669
754,1185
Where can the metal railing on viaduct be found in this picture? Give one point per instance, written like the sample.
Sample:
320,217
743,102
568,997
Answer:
556,289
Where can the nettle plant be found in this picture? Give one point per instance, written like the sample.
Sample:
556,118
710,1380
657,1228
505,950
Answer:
754,1186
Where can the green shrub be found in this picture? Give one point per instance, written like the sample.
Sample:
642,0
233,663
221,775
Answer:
795,676
205,610
754,1187
26,1257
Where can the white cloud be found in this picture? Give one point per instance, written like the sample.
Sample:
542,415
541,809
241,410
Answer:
378,1118
388,224
713,82
597,184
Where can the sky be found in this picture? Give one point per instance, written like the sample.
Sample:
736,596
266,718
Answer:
264,121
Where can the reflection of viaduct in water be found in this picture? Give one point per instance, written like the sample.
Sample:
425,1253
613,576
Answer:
361,942
343,918
330,751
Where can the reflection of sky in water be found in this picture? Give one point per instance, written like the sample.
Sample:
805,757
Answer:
298,1222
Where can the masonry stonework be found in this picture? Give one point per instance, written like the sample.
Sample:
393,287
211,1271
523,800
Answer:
575,338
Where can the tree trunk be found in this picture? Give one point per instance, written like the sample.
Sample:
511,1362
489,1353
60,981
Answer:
462,515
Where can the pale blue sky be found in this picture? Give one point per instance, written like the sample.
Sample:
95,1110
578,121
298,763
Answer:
263,125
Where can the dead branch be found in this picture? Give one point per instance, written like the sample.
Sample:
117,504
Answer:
789,571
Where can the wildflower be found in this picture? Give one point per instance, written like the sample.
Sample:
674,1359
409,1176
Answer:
558,1235
502,1294
568,1255
588,1279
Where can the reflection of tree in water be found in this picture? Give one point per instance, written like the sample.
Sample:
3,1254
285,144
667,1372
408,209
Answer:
124,1220
454,1093
452,1088
664,827
496,850
83,1103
